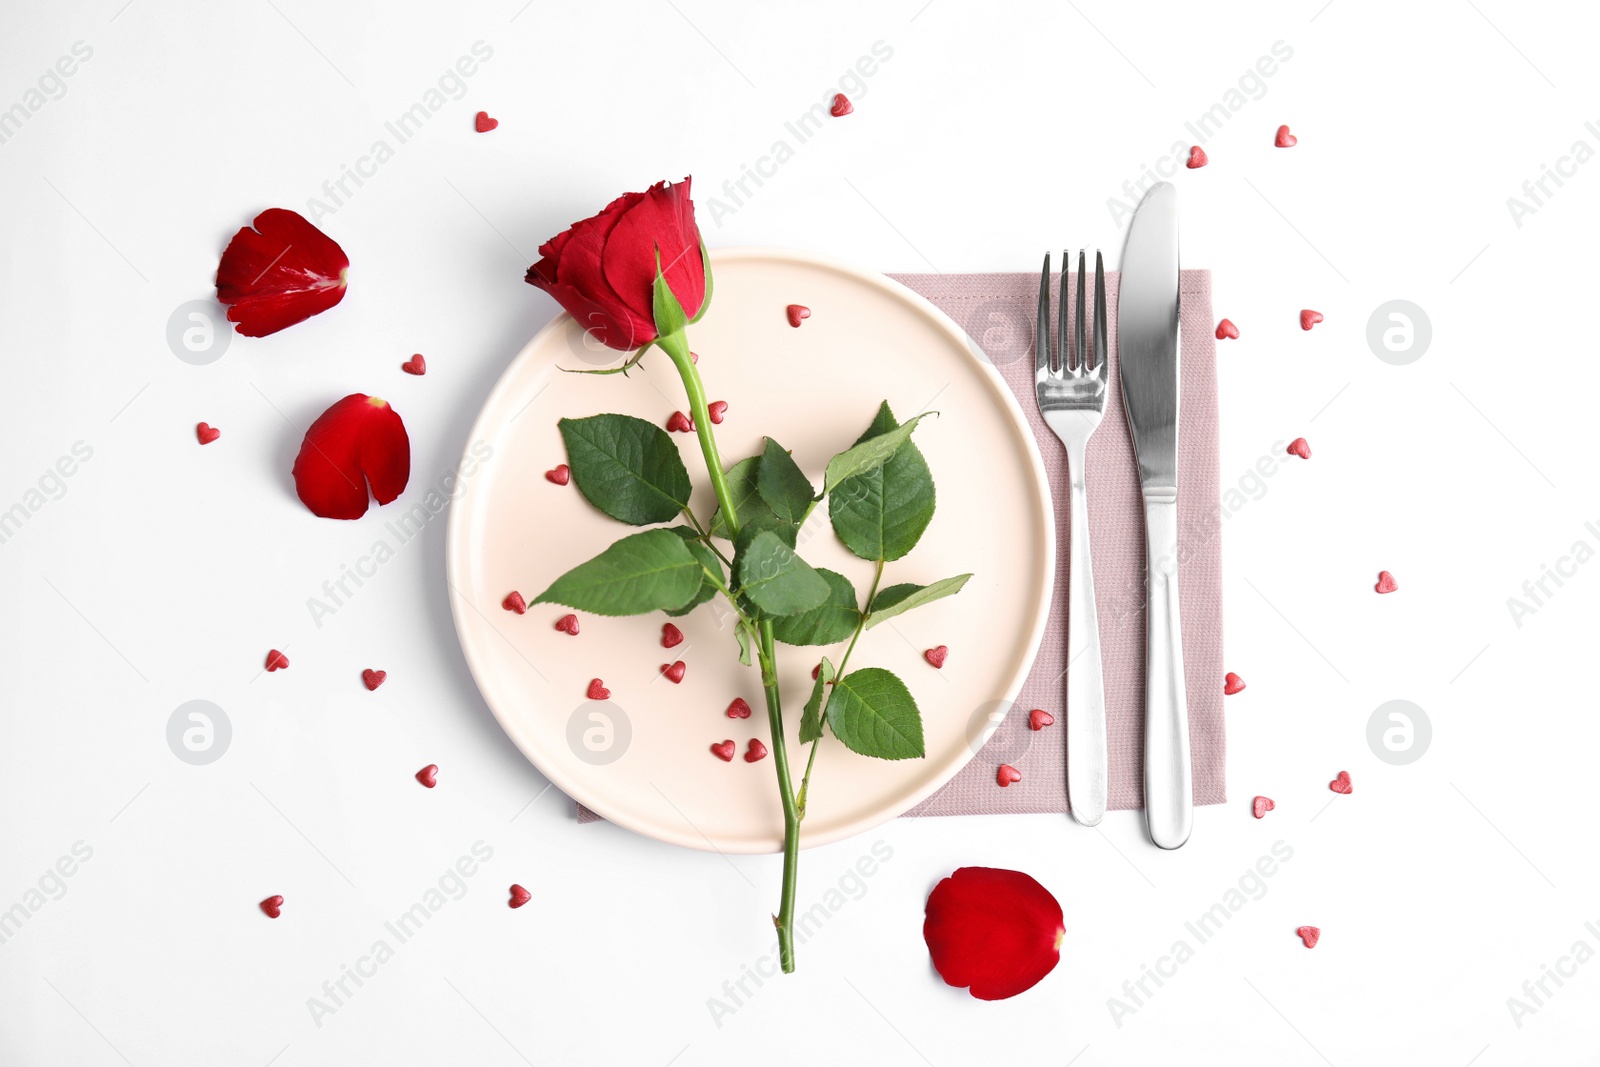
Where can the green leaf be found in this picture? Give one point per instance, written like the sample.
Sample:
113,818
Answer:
811,717
867,454
881,514
627,467
650,571
712,577
902,598
872,712
746,498
746,639
783,485
774,579
667,312
829,623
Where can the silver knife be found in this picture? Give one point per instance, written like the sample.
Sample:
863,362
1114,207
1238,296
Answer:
1147,345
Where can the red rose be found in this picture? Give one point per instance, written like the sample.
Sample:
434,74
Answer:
603,270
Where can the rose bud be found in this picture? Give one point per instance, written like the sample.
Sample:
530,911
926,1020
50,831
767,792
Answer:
604,270
994,931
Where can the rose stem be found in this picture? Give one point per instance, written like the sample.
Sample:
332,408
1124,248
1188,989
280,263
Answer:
676,346
861,623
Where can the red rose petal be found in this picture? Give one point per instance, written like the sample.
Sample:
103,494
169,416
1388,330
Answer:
276,661
1309,318
598,691
372,679
1386,583
1197,158
281,272
797,314
415,365
1285,139
1227,331
356,443
560,474
514,602
206,433
1299,447
1261,805
718,410
483,123
841,106
1038,719
995,932
937,656
674,671
429,775
1232,683
1341,784
568,624
723,750
519,896
1007,774
273,906
671,636
756,752
1309,934
739,709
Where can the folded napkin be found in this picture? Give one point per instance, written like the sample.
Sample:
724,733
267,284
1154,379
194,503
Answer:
998,311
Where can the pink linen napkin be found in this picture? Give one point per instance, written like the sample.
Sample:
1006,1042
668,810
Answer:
998,311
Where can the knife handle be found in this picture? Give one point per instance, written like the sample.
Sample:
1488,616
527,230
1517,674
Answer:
1168,778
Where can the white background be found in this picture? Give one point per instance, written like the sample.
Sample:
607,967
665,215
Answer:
164,571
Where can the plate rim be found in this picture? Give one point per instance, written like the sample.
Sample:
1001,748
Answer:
455,550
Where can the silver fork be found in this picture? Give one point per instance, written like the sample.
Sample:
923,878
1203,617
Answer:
1072,397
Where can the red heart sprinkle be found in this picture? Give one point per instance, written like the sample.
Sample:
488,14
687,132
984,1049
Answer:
723,750
671,636
207,433
1341,784
598,691
1038,719
1285,139
1386,583
514,602
568,624
674,671
415,365
694,357
757,751
1309,318
680,423
1309,934
1232,683
797,313
560,474
1007,774
936,656
739,709
1197,158
429,775
816,671
373,678
483,123
1299,447
841,106
519,896
276,661
1261,805
1227,331
273,906
717,409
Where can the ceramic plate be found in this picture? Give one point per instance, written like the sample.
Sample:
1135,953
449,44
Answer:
642,758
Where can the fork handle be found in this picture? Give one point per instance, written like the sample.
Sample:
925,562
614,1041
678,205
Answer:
1086,694
1168,778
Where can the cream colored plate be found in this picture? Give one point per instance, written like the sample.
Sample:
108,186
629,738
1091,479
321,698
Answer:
642,759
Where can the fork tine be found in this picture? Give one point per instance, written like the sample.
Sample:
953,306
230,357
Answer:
1100,348
1065,353
1041,340
1080,345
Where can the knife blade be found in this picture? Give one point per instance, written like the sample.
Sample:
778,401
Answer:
1147,345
